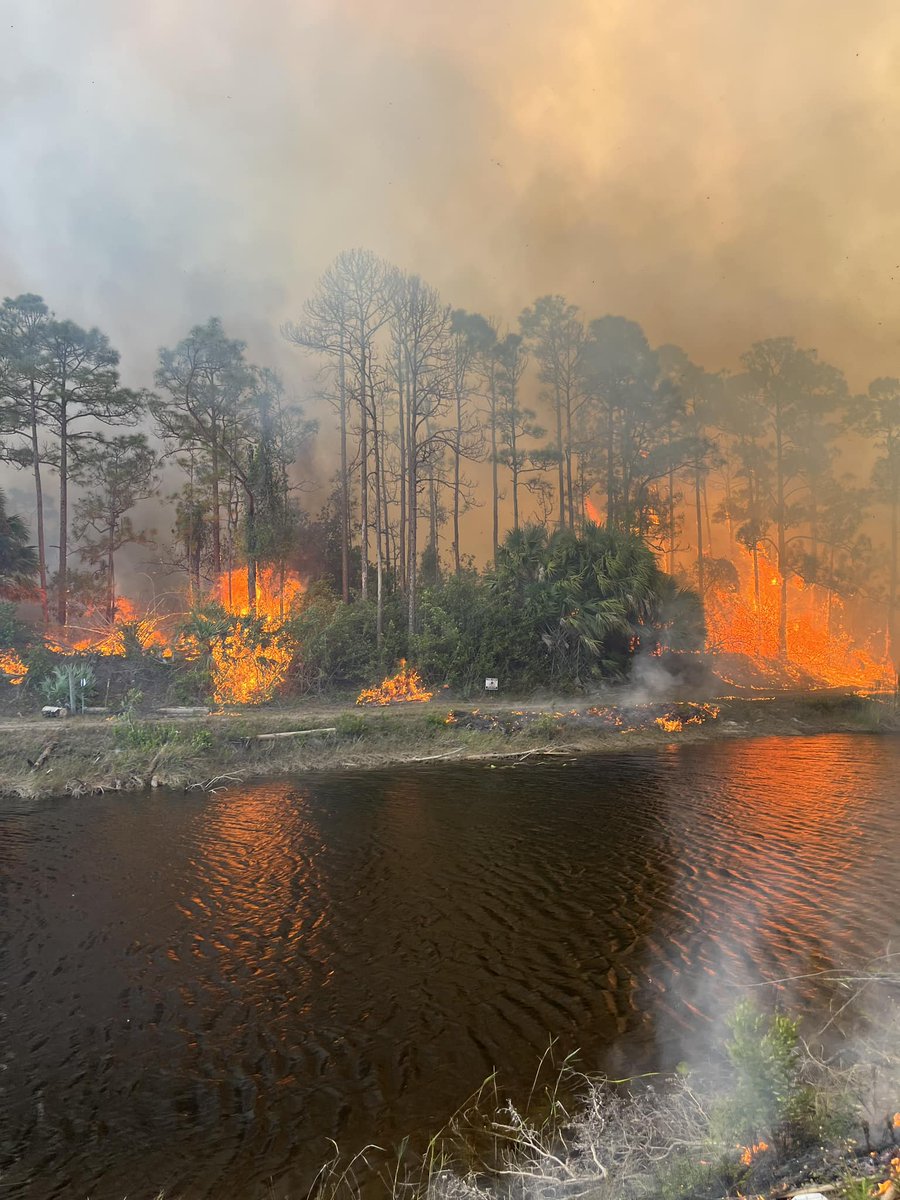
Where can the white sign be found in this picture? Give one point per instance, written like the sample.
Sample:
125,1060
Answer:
491,685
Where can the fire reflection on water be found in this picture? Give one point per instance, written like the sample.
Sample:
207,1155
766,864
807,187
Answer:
220,984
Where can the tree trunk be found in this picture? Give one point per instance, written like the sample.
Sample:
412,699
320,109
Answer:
413,504
62,597
559,447
701,581
363,466
495,488
456,474
216,529
379,565
110,577
404,481
610,466
782,538
569,461
251,552
39,508
345,481
893,633
671,520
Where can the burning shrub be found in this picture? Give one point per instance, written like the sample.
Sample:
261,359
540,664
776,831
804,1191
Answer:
403,688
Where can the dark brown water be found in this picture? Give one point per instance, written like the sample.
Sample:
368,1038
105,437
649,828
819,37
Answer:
196,992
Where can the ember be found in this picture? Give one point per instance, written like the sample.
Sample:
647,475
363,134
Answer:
404,687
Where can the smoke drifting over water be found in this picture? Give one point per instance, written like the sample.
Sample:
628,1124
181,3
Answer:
720,173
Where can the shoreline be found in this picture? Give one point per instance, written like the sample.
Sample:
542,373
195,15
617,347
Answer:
85,755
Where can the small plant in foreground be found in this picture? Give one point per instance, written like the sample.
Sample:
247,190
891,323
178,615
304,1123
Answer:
771,1104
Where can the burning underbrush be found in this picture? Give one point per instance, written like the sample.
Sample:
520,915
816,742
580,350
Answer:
742,607
232,650
405,687
672,717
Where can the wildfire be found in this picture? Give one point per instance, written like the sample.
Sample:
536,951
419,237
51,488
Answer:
817,643
591,511
670,724
276,592
246,671
109,640
249,665
12,666
404,687
751,1152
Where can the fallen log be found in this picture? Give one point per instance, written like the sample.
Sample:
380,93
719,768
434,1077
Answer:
42,757
292,733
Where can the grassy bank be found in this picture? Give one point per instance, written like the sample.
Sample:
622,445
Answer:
84,754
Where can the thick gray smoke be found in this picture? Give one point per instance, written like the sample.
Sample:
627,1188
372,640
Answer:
718,172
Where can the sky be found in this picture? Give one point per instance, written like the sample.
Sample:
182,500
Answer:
718,170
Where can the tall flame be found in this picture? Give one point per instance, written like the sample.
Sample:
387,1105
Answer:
249,668
818,645
591,511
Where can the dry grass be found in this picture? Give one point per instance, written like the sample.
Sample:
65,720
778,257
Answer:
94,754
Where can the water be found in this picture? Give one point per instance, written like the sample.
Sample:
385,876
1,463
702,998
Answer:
197,991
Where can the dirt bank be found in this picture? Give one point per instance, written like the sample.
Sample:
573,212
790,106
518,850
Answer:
79,755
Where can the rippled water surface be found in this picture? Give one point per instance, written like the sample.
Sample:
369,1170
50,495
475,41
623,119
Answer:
196,992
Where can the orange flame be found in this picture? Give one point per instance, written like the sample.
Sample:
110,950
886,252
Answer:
247,668
12,666
276,592
670,724
818,645
591,511
109,639
751,1152
405,686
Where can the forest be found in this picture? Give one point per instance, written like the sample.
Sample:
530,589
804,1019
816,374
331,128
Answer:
542,503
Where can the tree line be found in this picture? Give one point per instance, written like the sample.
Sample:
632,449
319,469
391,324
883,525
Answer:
558,409
422,391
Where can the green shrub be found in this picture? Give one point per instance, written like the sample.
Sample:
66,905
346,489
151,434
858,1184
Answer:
65,681
770,1101
146,735
201,739
350,724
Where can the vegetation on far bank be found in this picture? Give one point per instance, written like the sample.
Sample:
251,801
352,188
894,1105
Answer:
211,750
